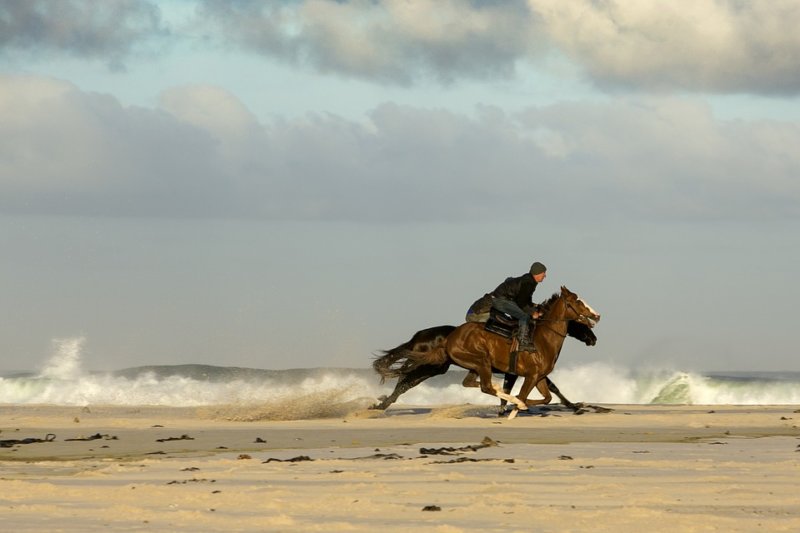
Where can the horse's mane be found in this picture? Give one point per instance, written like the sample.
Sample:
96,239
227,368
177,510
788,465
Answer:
545,305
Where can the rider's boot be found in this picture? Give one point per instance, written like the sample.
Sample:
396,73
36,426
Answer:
525,342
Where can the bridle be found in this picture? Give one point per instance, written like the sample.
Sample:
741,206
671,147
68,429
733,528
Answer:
551,328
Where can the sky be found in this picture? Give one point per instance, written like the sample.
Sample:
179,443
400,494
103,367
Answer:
302,183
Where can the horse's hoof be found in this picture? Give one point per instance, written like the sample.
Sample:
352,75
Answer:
378,406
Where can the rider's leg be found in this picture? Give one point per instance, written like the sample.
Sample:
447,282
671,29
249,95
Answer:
525,342
511,308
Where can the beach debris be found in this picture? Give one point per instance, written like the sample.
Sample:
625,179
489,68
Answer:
469,460
96,436
182,437
596,408
385,456
190,469
193,480
448,450
243,456
8,443
259,440
297,459
564,458
431,508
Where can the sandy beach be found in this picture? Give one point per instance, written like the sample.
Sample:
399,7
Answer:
445,469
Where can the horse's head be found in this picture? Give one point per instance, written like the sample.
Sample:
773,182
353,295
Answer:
579,310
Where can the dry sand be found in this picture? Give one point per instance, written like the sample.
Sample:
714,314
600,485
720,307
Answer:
446,469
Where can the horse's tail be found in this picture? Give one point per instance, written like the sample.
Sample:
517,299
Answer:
425,347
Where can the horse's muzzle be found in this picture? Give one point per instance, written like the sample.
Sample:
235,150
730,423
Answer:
591,320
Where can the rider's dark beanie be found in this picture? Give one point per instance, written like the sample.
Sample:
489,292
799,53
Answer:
537,268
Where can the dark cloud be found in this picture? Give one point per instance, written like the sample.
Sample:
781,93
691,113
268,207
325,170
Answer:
98,29
707,45
384,41
716,46
204,155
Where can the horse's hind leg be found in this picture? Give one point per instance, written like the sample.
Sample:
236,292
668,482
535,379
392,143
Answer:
409,381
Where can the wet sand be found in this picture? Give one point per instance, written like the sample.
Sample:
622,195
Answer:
449,468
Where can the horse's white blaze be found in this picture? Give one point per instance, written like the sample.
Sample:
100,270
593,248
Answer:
590,308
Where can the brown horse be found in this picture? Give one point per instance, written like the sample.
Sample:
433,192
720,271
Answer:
471,347
434,339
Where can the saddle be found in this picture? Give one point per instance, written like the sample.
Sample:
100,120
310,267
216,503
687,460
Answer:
501,323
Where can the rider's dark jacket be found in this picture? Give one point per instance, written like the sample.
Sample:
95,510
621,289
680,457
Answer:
519,290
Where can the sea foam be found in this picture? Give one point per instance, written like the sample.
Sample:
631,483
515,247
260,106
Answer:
63,381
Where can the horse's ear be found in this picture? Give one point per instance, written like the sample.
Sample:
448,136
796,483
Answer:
566,292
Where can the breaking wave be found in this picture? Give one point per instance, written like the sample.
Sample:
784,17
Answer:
63,381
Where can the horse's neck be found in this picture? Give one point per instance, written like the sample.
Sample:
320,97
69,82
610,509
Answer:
556,313
555,326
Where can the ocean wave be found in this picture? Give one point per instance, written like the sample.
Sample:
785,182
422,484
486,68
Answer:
323,392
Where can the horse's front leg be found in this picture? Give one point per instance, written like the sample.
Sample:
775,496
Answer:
508,383
544,390
471,379
552,387
527,387
485,373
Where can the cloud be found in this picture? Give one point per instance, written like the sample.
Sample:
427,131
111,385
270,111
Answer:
722,46
96,29
203,154
704,45
387,41
716,46
70,152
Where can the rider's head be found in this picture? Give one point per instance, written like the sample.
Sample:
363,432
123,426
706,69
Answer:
538,271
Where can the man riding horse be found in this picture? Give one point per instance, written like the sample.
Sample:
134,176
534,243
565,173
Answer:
513,297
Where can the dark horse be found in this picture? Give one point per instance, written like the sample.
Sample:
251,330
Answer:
434,338
481,352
